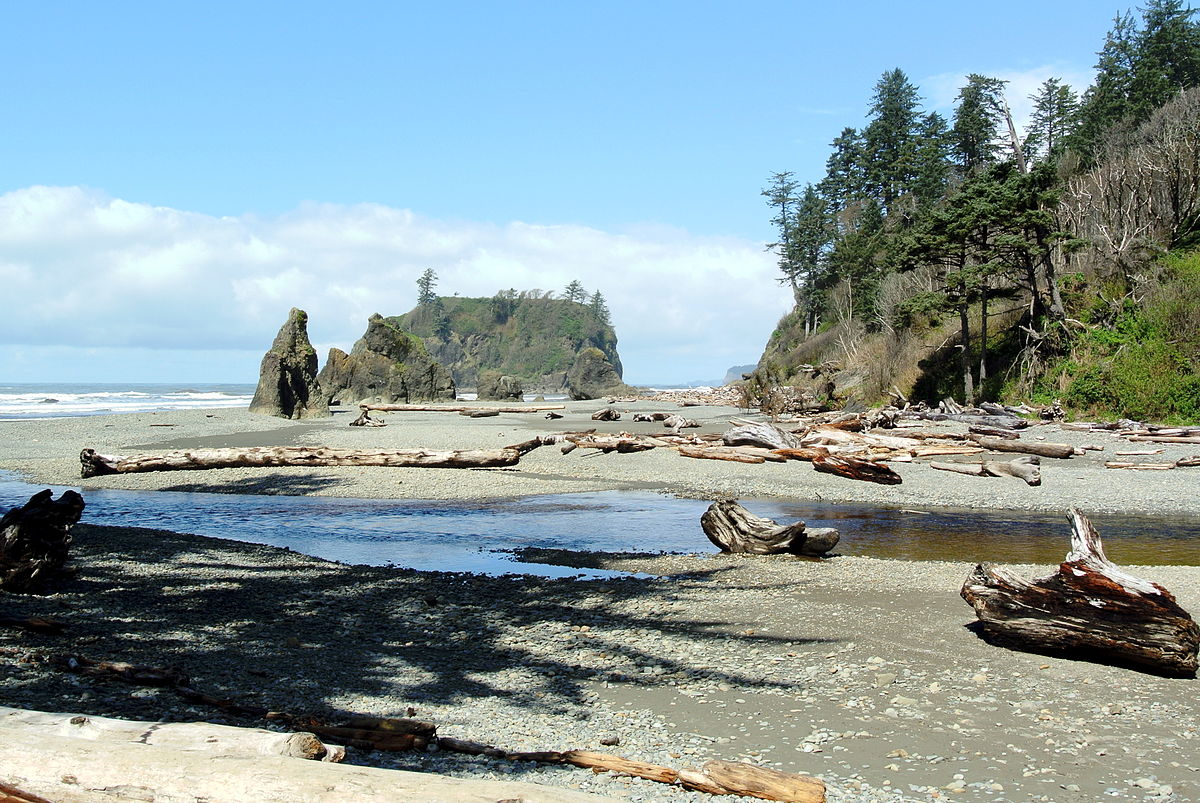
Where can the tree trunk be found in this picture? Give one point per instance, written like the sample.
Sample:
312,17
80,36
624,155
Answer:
983,334
34,539
1089,609
964,359
94,464
180,735
732,528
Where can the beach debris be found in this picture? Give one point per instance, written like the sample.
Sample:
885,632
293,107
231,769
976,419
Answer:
34,624
857,469
482,413
734,454
35,539
607,414
1060,451
758,433
1025,468
457,408
1089,609
94,464
716,777
678,422
651,417
364,420
733,528
553,415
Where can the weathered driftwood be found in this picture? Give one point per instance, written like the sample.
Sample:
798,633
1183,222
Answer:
856,469
35,539
804,453
94,464
760,434
678,422
732,528
1002,421
34,624
481,413
50,767
623,443
181,735
1090,609
716,777
730,453
606,414
1039,448
651,417
1166,438
553,415
1024,468
450,408
364,420
995,432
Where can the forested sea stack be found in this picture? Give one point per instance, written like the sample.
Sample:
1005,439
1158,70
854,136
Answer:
287,377
386,366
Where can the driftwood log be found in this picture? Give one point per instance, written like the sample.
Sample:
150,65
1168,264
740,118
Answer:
732,528
716,777
1039,448
181,735
857,469
364,420
760,434
35,539
606,414
1089,609
1025,468
95,464
449,408
734,454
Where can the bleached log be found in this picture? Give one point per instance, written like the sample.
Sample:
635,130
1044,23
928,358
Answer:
809,453
1042,449
1090,608
678,422
729,453
95,464
1024,468
448,408
856,469
732,528
364,420
607,414
1166,438
179,735
481,413
760,434
66,770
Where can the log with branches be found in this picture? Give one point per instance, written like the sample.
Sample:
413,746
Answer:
732,528
1090,609
857,469
35,539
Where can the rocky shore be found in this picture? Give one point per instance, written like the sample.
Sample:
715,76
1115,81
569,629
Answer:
857,670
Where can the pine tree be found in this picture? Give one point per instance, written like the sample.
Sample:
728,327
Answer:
932,168
889,140
600,309
844,180
1167,59
576,293
426,285
977,123
781,196
1054,119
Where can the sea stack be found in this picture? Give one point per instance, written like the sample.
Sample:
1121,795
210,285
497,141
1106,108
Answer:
593,376
386,366
287,378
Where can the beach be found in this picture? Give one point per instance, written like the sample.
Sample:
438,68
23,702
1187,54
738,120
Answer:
857,670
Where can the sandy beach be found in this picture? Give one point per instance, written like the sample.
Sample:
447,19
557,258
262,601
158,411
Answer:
857,670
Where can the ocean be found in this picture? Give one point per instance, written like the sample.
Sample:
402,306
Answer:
70,399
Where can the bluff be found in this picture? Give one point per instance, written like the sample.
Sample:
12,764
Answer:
386,365
535,339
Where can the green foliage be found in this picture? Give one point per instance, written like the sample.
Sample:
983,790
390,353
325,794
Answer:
426,283
921,311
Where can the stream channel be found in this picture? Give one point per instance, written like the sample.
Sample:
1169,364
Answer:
479,536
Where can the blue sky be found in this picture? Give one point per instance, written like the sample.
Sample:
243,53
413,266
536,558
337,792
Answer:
185,173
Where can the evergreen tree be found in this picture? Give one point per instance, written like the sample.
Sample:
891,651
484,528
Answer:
977,123
1167,59
600,309
813,233
576,293
426,285
781,196
844,180
932,168
889,139
1054,119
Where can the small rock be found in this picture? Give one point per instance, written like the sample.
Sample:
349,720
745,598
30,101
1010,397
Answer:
610,740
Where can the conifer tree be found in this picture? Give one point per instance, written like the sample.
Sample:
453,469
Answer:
889,139
1054,119
426,285
781,196
600,309
575,292
844,181
977,123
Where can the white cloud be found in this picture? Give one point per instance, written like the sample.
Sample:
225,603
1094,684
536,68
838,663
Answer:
90,271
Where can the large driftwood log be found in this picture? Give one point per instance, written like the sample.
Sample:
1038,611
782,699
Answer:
856,469
35,539
1024,468
1040,448
95,464
65,770
732,528
759,434
716,777
1090,609
449,408
735,454
181,735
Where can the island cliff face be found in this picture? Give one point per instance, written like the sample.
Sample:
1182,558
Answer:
385,366
533,339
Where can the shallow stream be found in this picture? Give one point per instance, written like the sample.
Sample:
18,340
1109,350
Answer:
475,536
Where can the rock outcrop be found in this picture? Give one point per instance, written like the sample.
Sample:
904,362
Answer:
593,376
287,377
494,386
386,366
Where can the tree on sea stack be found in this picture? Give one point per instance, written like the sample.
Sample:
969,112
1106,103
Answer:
287,377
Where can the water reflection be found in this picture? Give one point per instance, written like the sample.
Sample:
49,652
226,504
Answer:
466,536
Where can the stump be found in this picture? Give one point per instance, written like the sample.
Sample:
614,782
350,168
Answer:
34,540
1090,609
732,528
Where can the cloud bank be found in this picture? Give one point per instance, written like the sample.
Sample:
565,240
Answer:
87,274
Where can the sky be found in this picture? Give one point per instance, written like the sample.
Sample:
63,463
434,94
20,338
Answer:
176,176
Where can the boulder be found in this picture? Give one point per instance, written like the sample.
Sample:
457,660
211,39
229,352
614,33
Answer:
386,366
287,377
593,376
494,386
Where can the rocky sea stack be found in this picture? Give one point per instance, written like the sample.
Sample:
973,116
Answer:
386,366
287,377
593,376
